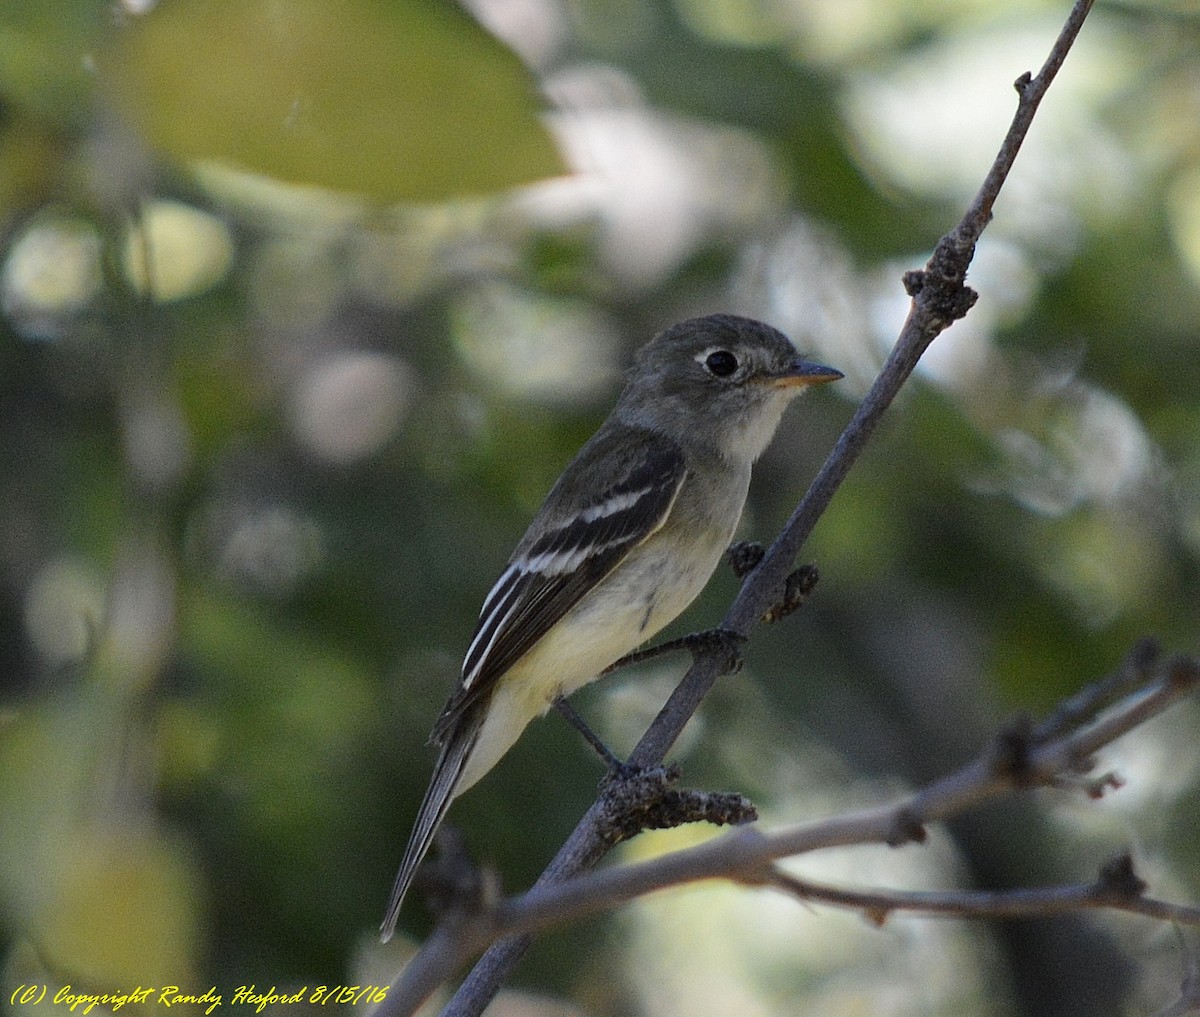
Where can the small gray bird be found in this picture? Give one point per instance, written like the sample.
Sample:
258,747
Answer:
626,539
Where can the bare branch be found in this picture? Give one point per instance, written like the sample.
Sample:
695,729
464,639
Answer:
939,297
747,854
1089,700
1024,759
1038,902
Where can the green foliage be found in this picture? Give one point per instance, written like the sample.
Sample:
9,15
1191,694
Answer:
403,101
266,447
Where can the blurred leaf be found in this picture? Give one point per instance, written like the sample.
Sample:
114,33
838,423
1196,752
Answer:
125,910
29,163
110,899
792,105
44,55
406,102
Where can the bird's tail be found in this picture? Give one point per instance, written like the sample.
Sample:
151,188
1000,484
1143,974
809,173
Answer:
447,772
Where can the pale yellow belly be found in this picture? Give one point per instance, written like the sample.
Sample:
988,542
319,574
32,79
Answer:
629,607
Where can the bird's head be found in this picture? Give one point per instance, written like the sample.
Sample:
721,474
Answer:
722,377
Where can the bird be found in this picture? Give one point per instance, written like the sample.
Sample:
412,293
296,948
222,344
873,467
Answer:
628,536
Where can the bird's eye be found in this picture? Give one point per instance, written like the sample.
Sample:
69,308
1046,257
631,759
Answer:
722,363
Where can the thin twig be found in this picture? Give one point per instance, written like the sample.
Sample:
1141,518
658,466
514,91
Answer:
1088,700
748,855
940,297
1037,902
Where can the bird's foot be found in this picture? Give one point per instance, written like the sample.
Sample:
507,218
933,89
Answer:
615,765
725,642
695,642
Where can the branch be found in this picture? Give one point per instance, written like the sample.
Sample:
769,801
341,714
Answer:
1113,890
1015,761
1019,758
939,297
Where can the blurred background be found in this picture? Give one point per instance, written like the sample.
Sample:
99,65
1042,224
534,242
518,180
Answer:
303,307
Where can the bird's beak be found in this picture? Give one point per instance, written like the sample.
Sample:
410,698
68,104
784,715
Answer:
803,373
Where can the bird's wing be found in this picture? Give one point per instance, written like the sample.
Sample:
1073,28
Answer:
578,537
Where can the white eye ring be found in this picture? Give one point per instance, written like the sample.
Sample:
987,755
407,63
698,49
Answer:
718,361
